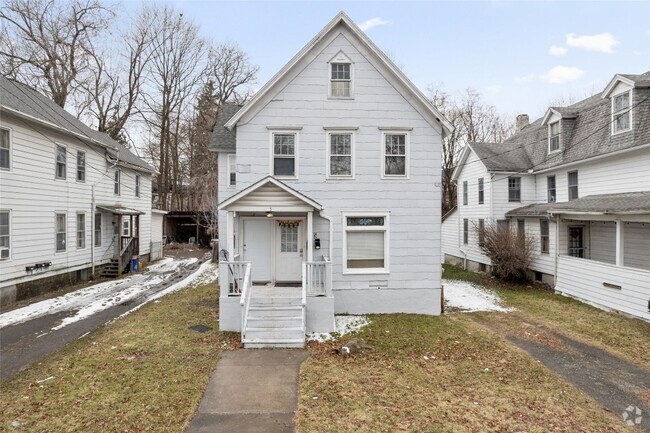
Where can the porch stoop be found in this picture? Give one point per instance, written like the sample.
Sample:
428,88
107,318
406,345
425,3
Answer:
275,318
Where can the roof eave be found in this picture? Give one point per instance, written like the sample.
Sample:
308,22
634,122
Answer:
610,87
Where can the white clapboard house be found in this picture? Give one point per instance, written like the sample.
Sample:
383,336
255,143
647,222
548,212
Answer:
72,200
578,179
329,190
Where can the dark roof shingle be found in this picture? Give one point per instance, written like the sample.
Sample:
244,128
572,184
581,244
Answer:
223,139
627,202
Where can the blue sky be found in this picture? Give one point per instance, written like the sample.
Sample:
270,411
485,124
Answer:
519,55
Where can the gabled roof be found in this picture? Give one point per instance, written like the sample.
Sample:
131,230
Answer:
562,112
255,104
622,203
223,139
29,104
640,80
268,202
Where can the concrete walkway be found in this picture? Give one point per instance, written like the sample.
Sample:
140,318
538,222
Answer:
251,391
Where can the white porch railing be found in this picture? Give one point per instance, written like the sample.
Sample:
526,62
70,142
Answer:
245,300
317,278
614,287
236,273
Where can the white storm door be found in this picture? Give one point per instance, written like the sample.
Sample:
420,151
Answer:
258,247
288,252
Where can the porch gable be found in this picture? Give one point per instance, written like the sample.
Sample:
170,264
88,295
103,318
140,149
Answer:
269,194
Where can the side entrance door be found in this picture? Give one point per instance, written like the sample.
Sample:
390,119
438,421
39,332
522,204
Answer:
258,248
576,241
288,251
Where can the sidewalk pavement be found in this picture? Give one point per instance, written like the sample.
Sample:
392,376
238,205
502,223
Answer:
251,391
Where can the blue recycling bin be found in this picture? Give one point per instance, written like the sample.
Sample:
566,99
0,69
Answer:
134,265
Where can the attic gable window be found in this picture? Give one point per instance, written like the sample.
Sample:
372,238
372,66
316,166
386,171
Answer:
341,80
621,113
554,137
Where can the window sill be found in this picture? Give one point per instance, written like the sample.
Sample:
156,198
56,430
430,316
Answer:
341,98
339,177
553,152
394,177
285,177
621,132
369,271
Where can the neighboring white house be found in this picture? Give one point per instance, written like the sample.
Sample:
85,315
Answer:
578,179
71,199
329,181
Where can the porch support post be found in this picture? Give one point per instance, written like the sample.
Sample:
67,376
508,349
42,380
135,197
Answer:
230,237
310,236
620,243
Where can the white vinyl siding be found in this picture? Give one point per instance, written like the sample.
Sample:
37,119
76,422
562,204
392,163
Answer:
340,156
341,80
621,112
395,155
232,169
60,162
5,149
98,229
554,137
81,230
61,232
117,182
366,243
5,235
285,155
81,166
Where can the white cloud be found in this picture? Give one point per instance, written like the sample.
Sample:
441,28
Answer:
524,78
562,74
604,42
494,88
373,22
557,51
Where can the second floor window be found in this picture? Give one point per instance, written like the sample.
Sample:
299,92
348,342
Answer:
621,113
341,80
340,158
116,183
5,148
481,193
550,187
573,185
514,189
465,201
232,169
60,161
137,185
395,155
554,137
81,166
284,155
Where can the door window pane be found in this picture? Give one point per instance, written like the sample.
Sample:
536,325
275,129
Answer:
288,239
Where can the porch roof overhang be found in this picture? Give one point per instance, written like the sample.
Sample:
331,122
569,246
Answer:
118,210
269,194
627,203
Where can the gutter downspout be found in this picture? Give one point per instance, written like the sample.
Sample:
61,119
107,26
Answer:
557,247
92,217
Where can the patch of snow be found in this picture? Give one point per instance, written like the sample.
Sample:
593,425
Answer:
344,325
470,297
160,263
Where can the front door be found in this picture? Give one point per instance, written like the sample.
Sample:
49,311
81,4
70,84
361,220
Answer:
576,241
258,241
288,251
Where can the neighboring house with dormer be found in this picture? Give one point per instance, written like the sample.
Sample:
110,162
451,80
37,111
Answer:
578,179
72,200
329,190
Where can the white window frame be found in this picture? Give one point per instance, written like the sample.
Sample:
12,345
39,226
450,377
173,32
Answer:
137,185
548,189
385,228
407,151
629,112
98,236
231,168
77,171
340,59
481,190
328,146
465,193
296,148
544,223
510,199
78,231
56,162
117,182
11,147
559,136
8,212
56,232
125,230
569,185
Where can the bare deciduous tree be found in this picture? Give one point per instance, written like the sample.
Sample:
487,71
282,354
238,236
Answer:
47,44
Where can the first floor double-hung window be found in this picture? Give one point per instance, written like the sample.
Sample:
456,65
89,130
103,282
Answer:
366,243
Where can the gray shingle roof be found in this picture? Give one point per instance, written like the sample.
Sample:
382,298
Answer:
586,132
22,98
222,139
628,202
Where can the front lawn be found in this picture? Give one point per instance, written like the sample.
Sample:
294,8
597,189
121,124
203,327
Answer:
145,372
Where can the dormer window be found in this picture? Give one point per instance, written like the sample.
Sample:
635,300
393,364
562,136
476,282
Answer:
621,113
341,81
554,137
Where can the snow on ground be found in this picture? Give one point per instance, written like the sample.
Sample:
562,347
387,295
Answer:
470,297
344,325
98,297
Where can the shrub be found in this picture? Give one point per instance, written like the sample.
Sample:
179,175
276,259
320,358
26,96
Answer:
510,251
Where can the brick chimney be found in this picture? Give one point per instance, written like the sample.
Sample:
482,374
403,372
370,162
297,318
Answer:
522,121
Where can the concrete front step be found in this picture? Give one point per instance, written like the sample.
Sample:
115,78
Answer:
297,343
275,322
275,301
267,333
274,310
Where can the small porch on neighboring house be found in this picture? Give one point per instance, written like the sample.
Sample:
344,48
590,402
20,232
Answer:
126,238
276,282
603,245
